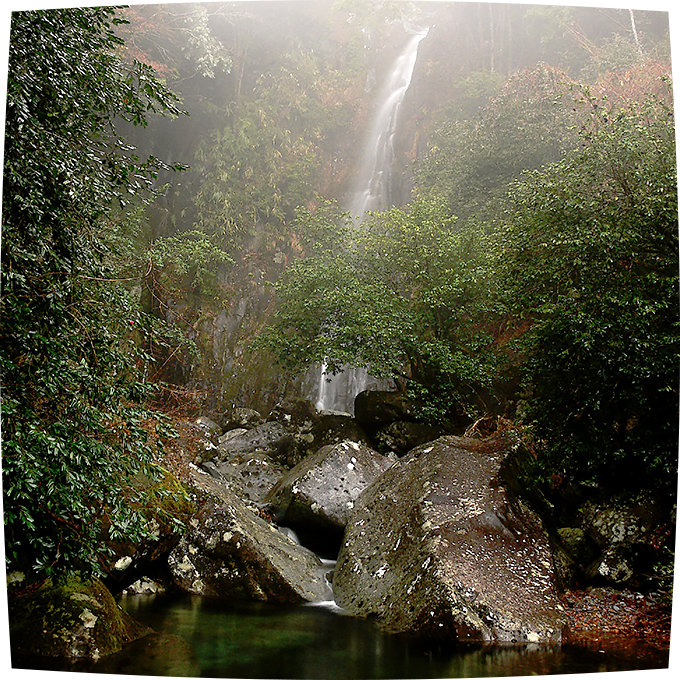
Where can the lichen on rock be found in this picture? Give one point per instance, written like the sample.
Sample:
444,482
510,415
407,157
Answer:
230,551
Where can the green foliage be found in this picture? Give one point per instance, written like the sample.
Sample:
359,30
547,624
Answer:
71,437
404,295
274,152
664,569
592,260
529,123
157,276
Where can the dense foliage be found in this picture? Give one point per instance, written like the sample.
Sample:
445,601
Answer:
540,245
405,294
71,433
545,250
592,259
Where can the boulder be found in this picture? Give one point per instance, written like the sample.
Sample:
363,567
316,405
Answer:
229,435
376,408
627,532
298,412
334,428
211,429
440,547
240,417
401,436
272,439
251,476
71,619
316,497
229,551
165,501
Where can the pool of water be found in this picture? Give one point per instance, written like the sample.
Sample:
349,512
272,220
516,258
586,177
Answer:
198,637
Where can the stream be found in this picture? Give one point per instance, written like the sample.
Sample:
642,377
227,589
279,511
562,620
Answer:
200,637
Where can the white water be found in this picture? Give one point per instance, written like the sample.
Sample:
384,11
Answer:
373,187
372,191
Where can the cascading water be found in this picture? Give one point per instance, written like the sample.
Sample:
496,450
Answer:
373,191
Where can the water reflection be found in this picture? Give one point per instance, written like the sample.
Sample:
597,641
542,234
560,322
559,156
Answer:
199,637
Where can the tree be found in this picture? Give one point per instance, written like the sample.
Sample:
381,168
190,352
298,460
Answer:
71,431
531,122
592,260
404,295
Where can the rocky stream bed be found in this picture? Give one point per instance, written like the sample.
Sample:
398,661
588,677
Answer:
436,538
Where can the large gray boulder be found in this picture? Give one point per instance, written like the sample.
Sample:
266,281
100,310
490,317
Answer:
230,551
316,497
334,428
439,546
627,531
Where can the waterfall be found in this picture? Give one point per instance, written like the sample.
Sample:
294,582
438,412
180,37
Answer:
373,188
372,191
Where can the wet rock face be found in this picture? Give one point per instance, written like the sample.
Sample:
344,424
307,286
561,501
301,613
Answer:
229,551
73,619
317,496
437,546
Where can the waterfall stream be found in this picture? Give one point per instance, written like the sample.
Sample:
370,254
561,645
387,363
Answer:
372,191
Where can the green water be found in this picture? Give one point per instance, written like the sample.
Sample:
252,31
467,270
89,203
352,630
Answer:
199,637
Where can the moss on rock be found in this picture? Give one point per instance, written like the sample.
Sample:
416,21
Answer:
72,619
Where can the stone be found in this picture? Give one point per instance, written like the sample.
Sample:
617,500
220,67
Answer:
272,439
334,428
626,531
578,545
165,499
438,546
401,436
15,581
295,411
317,496
72,619
251,476
210,427
229,551
144,586
376,408
241,417
229,435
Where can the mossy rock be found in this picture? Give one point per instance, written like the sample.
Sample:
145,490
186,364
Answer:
70,619
167,504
